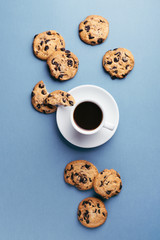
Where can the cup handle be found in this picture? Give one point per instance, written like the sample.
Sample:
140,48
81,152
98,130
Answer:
109,126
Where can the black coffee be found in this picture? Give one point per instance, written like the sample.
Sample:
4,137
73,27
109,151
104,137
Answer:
88,115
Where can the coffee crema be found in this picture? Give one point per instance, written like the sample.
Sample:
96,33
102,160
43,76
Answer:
88,115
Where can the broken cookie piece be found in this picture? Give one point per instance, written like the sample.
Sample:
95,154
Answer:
59,97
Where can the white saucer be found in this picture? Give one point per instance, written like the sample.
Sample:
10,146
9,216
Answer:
106,100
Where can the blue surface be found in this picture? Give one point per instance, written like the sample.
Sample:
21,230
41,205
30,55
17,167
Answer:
35,202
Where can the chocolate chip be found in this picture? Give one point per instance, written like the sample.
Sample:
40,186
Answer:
102,172
71,103
109,62
62,49
67,95
48,33
67,51
79,213
54,62
100,40
65,171
93,42
101,184
32,94
76,174
41,85
87,221
46,48
67,177
87,166
46,41
80,30
120,186
41,43
44,111
108,192
125,60
124,75
72,176
50,105
85,22
90,179
98,205
99,211
126,55
90,37
55,48
103,214
114,67
116,60
44,92
62,94
115,49
49,95
68,55
70,63
38,106
95,210
118,53
115,71
127,66
87,28
58,34
63,100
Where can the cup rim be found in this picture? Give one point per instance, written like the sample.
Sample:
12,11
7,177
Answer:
85,131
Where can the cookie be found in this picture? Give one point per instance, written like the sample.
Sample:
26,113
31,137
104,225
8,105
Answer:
92,212
46,43
118,62
59,97
38,96
81,174
107,183
94,30
63,65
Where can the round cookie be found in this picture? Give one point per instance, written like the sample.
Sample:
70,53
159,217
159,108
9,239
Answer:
59,97
38,96
107,183
81,174
118,62
94,30
63,64
92,212
46,43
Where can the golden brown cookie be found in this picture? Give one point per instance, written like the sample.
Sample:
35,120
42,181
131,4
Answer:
118,62
46,43
81,174
92,212
94,30
107,183
38,96
59,97
63,65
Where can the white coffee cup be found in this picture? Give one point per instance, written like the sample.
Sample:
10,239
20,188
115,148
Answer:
103,123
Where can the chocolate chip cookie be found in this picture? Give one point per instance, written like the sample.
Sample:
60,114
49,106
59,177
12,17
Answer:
94,30
46,43
59,97
38,95
63,64
118,62
81,174
92,212
107,183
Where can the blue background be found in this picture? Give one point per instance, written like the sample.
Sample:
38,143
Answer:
35,202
